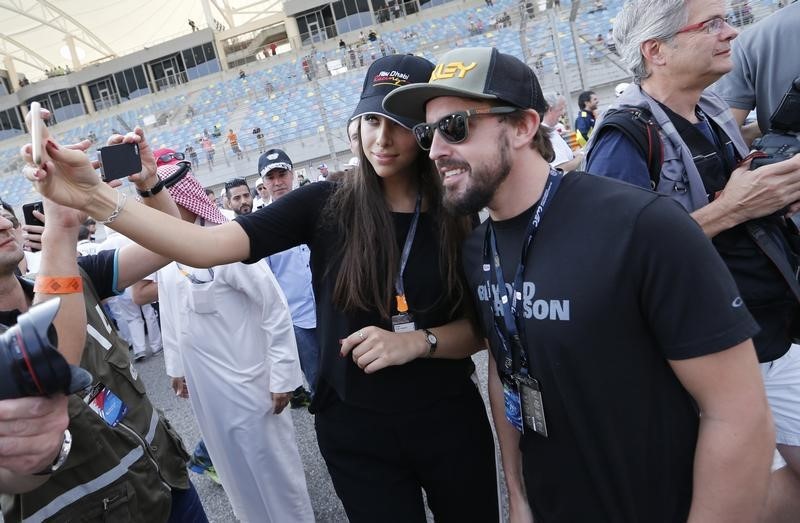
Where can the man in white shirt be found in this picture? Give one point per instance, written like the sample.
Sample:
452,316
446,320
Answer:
228,332
565,159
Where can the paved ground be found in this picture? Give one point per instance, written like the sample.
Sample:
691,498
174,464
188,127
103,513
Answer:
327,507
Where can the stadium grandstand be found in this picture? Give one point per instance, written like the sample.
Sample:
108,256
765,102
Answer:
292,69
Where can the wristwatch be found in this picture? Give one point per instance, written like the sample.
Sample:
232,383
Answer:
63,454
152,191
432,342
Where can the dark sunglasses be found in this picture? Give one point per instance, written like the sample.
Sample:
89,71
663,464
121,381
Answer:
454,128
171,156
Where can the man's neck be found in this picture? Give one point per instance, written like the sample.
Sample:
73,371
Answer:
12,297
680,95
521,189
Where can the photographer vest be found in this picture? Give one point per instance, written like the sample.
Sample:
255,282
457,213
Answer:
120,473
761,253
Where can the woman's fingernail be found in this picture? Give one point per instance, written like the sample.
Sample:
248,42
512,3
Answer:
52,144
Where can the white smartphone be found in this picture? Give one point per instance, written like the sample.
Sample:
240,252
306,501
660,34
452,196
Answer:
36,132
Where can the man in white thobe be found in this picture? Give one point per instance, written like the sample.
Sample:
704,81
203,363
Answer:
228,331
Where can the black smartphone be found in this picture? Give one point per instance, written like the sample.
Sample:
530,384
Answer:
119,161
27,211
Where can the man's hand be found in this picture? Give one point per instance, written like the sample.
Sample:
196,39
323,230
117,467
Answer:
180,388
279,401
753,194
31,432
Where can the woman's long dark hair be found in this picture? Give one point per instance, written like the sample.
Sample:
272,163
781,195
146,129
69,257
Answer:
370,254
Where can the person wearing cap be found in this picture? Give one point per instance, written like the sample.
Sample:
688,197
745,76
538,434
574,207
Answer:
127,464
263,195
228,341
292,269
396,408
323,172
604,332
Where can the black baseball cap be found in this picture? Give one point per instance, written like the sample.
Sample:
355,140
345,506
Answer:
471,72
386,75
273,159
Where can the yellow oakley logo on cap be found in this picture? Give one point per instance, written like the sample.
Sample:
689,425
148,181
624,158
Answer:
451,70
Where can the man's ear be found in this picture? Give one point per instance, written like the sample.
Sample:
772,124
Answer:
524,129
653,52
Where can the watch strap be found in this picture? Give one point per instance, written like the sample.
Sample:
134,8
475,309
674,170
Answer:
152,191
431,345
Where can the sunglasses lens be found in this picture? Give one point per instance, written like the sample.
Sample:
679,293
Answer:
424,135
178,156
453,128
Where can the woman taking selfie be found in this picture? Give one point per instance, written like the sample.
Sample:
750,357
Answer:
396,409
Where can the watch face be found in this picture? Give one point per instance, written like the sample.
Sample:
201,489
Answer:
431,338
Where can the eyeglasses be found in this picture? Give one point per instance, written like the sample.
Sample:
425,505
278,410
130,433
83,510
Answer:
260,187
711,26
454,128
171,156
235,182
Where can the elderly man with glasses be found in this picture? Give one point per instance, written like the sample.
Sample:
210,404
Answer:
676,49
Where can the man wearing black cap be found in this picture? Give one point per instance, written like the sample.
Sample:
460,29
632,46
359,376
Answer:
292,269
624,385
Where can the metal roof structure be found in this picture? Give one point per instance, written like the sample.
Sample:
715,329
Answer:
37,35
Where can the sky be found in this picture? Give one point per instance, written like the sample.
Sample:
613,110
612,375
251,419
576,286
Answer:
124,26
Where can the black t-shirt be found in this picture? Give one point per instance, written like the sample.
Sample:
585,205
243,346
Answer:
297,219
619,281
99,267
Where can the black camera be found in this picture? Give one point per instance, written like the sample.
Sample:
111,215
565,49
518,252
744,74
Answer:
782,141
30,364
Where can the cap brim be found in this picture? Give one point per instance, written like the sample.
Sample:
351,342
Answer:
409,101
374,105
79,379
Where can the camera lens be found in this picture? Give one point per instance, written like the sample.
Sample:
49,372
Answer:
30,365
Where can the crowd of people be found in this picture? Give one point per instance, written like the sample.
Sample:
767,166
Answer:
638,298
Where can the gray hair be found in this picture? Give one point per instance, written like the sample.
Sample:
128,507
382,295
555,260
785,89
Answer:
641,20
552,99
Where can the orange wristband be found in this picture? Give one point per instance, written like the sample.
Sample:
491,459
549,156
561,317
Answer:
58,285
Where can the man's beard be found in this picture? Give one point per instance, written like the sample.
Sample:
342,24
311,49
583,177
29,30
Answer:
244,209
482,182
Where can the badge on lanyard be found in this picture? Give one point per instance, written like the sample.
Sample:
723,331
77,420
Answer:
532,405
522,394
403,321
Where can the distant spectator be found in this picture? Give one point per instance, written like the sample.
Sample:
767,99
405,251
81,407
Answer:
323,172
208,147
489,3
611,44
273,47
211,196
192,25
242,74
269,88
190,153
342,45
306,68
352,54
372,35
234,141
262,146
301,180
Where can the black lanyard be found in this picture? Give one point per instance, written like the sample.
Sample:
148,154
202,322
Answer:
412,231
511,331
